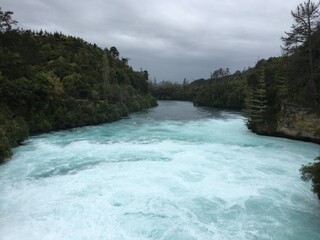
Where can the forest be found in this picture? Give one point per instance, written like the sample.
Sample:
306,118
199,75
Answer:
50,81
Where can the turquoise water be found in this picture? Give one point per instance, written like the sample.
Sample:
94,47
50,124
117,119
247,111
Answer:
172,172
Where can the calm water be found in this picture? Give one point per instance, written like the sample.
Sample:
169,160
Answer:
172,172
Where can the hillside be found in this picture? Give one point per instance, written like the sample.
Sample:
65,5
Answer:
53,81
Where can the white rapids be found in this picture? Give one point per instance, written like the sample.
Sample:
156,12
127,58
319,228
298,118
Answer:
172,172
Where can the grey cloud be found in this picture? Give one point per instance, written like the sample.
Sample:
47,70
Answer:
171,39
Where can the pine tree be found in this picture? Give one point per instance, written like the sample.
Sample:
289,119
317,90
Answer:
6,20
256,102
282,87
306,23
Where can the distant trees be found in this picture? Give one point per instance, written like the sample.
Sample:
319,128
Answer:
220,73
185,82
167,90
306,23
6,21
221,92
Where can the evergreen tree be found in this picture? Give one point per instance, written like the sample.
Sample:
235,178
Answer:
306,23
6,21
256,102
282,87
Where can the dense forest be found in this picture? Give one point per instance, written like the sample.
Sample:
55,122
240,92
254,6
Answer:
50,81
264,91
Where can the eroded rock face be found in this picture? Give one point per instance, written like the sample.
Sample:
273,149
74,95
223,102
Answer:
299,123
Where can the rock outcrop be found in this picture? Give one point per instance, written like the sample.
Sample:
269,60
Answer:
296,122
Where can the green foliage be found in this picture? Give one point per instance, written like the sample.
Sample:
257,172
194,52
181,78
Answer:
5,147
13,130
306,20
282,86
53,81
222,92
306,25
256,102
312,172
285,81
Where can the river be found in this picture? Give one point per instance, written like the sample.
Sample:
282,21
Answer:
172,172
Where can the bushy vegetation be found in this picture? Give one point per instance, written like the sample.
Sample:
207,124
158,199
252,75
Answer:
312,172
50,81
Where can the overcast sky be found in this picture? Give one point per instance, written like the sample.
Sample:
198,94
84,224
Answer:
172,39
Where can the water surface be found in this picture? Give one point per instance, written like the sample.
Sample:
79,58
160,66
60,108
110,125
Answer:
172,172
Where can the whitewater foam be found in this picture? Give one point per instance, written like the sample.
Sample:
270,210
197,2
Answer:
155,176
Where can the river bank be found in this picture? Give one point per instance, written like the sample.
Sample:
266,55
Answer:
294,122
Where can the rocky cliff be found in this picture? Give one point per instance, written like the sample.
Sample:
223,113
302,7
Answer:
296,122
292,121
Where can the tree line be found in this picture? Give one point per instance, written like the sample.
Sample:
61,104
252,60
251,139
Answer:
51,81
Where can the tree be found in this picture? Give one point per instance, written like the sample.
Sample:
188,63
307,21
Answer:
125,61
114,52
282,86
312,172
50,81
220,73
146,75
306,22
256,102
6,21
185,82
